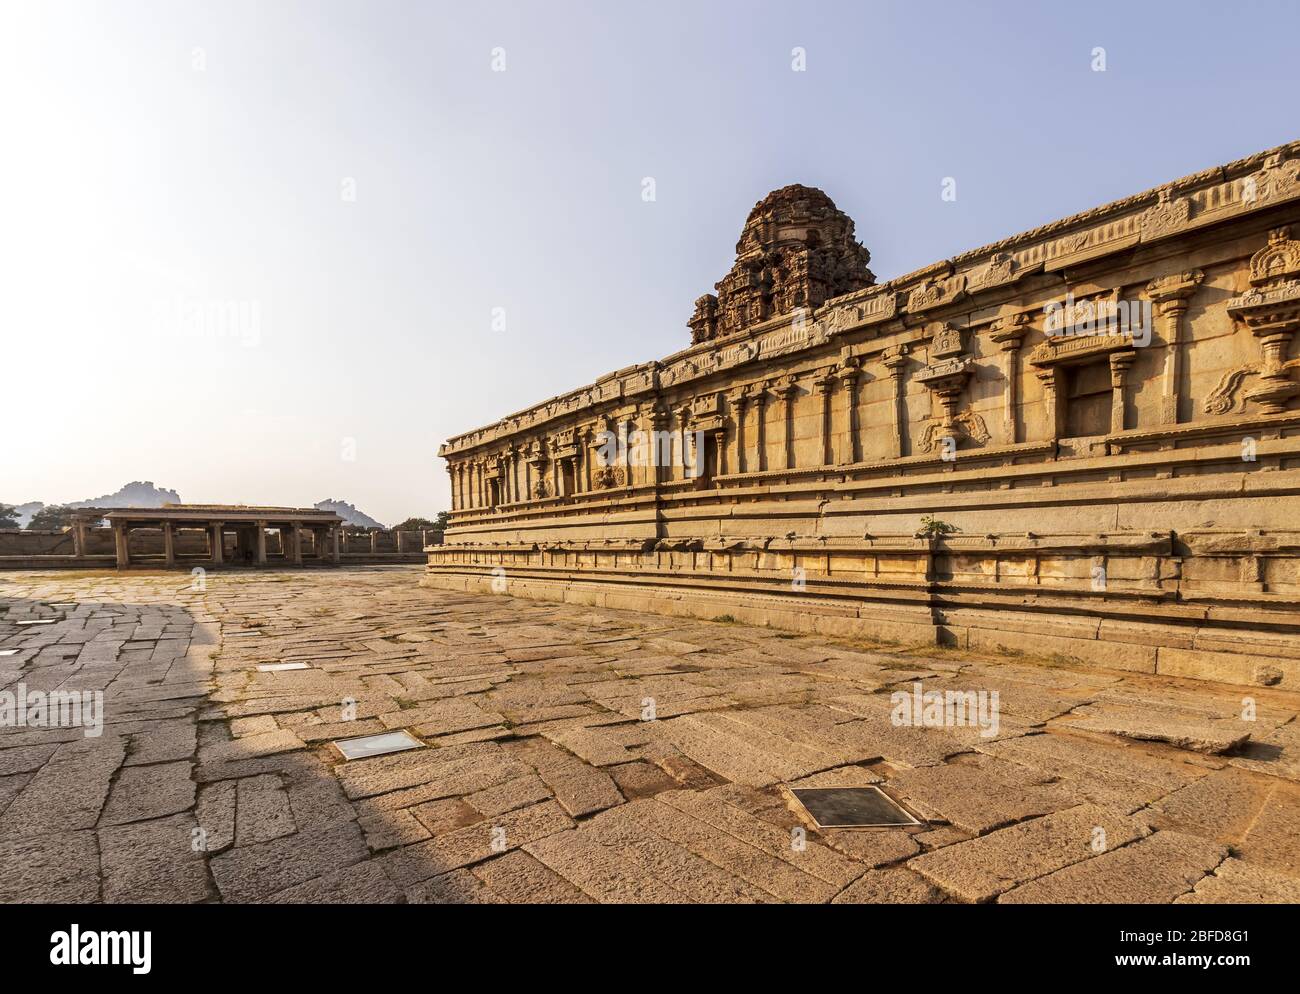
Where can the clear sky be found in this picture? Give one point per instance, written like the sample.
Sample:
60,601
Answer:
254,251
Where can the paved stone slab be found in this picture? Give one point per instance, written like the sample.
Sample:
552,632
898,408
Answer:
1154,870
251,747
152,862
1237,882
983,868
781,879
57,868
215,815
508,796
518,878
1208,736
603,874
144,792
697,880
455,887
474,843
893,886
263,810
799,851
66,794
1275,753
246,873
362,883
974,799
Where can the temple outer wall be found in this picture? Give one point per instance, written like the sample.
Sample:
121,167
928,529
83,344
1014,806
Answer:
1126,502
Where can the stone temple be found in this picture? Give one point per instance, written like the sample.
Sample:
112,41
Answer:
1082,441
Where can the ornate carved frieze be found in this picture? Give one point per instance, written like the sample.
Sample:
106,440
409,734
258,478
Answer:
1169,214
859,311
937,292
1001,269
606,477
1277,179
1066,349
1080,330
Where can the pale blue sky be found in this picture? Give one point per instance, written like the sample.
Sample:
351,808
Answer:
188,297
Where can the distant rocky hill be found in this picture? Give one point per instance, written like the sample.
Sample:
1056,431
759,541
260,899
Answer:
137,493
348,512
144,494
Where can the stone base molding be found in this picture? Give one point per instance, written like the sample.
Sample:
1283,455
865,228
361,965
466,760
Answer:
1213,604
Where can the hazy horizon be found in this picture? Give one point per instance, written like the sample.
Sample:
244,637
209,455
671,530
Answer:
272,254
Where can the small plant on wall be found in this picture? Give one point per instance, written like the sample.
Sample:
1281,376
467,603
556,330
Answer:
930,525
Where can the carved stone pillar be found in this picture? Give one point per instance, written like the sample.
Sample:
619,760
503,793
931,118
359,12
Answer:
121,544
169,544
848,377
824,385
739,402
218,531
896,363
760,430
1170,296
789,390
1049,376
683,452
1119,364
661,446
1009,332
261,543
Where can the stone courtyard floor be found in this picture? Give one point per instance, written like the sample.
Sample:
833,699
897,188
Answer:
541,781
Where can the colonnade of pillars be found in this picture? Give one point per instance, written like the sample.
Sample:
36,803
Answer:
250,541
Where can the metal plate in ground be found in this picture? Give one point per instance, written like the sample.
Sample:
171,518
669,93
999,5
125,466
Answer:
852,807
281,667
377,745
9,652
37,621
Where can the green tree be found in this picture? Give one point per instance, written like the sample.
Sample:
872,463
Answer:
8,517
51,518
416,524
